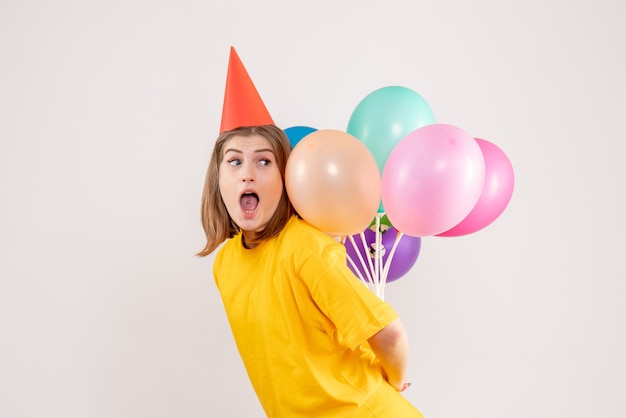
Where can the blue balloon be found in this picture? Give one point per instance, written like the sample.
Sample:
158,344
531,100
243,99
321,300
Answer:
296,133
385,116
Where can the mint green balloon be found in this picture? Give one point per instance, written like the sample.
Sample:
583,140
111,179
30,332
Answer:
385,116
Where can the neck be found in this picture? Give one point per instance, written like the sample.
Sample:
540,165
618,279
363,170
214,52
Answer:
245,242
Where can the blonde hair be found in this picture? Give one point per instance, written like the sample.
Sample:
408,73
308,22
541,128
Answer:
217,223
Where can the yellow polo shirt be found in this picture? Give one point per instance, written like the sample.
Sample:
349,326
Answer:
301,321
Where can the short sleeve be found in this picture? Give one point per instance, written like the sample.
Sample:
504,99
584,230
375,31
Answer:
356,312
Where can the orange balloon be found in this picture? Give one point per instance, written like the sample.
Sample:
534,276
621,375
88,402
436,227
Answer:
333,182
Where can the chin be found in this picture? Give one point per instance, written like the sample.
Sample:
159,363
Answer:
251,225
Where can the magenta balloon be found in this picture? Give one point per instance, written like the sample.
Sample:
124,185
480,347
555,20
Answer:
403,260
496,194
432,180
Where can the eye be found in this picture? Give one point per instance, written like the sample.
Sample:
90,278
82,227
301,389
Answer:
264,162
234,161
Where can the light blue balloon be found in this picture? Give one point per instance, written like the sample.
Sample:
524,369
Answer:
296,133
385,116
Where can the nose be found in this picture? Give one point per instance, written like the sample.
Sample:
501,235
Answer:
247,176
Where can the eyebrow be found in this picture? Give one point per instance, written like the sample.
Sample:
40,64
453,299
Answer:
241,152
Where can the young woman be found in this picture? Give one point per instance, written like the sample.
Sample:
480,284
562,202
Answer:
315,341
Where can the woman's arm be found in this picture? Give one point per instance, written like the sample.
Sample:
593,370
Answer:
391,346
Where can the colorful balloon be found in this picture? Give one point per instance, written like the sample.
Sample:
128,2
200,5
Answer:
432,180
404,257
333,182
496,193
387,115
296,133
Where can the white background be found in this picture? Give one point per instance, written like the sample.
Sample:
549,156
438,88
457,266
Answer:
108,112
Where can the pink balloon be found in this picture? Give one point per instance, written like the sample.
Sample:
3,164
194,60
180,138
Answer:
496,194
432,180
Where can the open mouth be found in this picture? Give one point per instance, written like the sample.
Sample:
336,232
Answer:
249,202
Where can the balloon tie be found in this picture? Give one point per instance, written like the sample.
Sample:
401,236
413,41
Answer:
358,253
388,262
377,270
378,254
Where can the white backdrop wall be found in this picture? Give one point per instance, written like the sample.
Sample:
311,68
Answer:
108,112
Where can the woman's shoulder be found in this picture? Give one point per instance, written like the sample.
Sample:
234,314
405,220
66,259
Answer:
306,239
298,228
228,247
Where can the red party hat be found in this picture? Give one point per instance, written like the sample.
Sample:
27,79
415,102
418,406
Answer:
243,105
